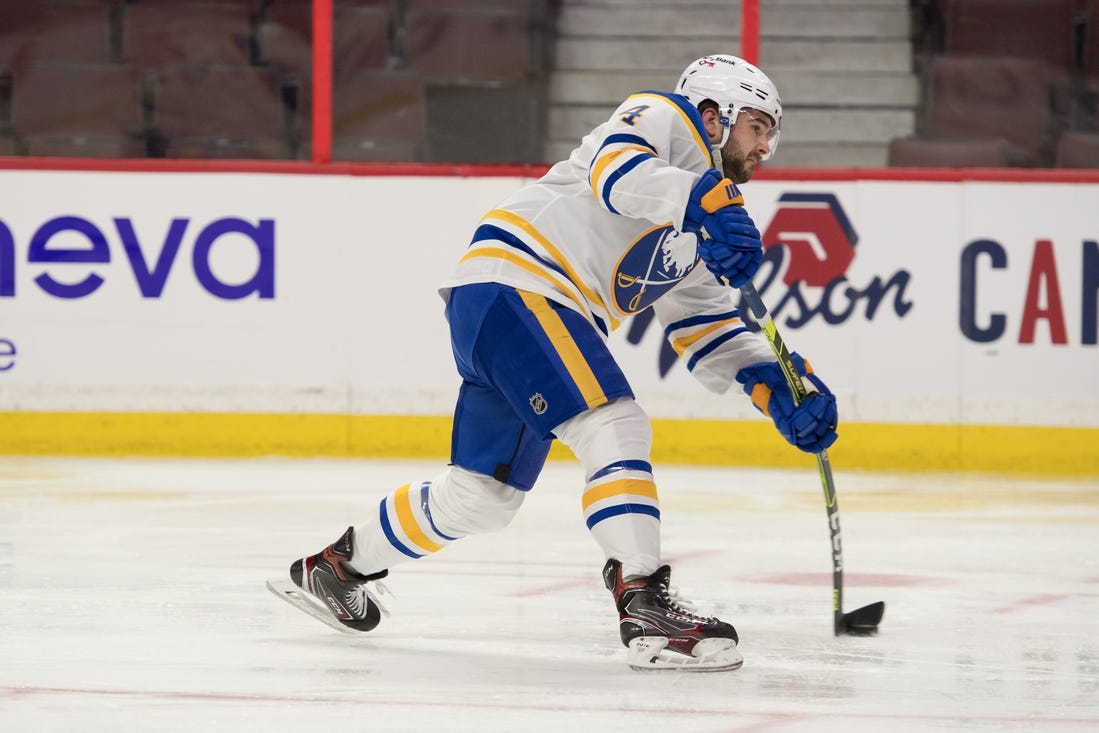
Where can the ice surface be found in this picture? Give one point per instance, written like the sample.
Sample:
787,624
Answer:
132,599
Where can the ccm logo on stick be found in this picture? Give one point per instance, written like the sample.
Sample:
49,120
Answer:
72,240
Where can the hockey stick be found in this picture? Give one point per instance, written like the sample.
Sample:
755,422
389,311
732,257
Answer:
862,621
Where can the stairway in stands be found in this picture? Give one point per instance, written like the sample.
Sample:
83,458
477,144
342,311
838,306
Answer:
843,68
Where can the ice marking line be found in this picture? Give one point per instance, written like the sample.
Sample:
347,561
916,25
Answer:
891,580
9,691
543,590
1032,601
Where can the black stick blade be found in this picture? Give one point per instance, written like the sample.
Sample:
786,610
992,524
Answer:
863,621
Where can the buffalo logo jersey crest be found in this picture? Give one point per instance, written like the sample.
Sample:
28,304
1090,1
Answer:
652,266
538,403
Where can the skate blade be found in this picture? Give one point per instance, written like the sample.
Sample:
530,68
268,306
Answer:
285,589
710,655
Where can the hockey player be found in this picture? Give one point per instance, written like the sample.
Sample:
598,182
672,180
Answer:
620,226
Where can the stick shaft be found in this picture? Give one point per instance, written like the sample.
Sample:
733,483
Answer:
797,387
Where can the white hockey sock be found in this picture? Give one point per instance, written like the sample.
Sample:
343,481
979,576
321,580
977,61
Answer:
620,501
622,510
421,518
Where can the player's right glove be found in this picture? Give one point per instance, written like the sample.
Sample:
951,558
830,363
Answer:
729,243
811,426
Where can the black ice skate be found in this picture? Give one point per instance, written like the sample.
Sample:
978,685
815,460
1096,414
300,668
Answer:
662,631
328,589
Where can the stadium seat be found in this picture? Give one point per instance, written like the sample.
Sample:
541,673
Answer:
220,112
1078,150
161,34
360,38
33,33
463,123
973,97
87,110
379,115
932,153
1091,46
1039,29
487,40
91,146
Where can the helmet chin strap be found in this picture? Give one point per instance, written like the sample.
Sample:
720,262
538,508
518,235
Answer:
715,149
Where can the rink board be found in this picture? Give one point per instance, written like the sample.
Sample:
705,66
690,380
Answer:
243,313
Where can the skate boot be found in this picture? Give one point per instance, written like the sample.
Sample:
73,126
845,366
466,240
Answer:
662,631
328,589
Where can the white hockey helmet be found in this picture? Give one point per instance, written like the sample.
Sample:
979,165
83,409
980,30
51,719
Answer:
733,84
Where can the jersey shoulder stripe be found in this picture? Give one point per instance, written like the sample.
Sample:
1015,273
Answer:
600,164
628,139
629,165
691,116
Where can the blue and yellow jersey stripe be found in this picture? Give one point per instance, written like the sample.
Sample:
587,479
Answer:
524,251
698,336
621,153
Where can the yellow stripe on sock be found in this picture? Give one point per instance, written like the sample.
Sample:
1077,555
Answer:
634,486
402,500
566,348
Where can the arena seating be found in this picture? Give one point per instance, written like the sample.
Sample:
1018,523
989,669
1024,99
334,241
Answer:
99,113
932,153
468,41
219,112
379,115
158,34
36,32
1039,29
1078,150
1010,82
361,37
993,97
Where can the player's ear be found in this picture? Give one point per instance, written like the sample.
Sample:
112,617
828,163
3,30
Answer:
710,123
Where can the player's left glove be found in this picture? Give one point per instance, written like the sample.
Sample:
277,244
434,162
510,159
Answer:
729,242
810,426
732,262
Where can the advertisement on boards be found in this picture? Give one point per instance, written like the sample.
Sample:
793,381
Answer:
936,302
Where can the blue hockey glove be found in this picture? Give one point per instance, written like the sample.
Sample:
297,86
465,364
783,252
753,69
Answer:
811,426
729,242
731,264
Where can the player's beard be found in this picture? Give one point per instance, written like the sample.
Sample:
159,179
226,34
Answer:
736,165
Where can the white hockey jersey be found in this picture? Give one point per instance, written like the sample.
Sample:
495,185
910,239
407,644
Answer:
600,233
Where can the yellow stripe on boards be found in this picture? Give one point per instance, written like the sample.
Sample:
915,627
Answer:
634,486
891,447
403,504
562,341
